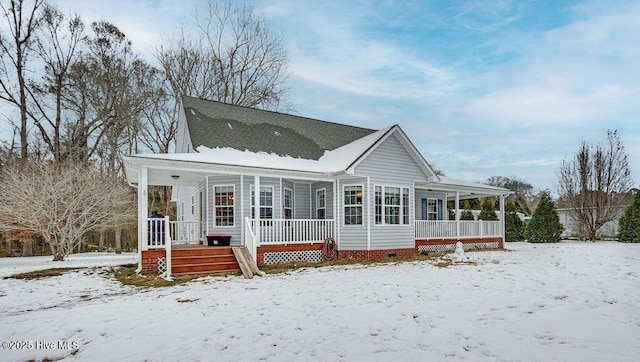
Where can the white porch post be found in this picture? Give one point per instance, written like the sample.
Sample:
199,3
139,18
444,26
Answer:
256,200
336,228
167,245
457,215
143,179
242,235
368,203
502,222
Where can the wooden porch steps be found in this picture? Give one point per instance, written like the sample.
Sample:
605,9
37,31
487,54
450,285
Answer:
202,260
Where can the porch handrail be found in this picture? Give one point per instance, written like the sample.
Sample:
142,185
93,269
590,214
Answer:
251,241
295,231
447,229
157,232
186,231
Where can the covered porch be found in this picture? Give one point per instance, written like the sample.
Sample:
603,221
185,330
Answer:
436,232
295,212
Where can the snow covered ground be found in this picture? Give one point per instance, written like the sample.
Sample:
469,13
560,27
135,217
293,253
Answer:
567,301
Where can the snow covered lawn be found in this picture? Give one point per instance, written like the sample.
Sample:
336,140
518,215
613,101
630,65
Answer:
568,301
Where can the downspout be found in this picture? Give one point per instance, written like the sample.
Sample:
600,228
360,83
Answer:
368,215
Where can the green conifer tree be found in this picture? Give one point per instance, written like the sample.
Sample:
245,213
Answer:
630,222
545,226
487,212
466,213
513,224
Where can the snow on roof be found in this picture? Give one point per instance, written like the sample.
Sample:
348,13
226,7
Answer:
332,161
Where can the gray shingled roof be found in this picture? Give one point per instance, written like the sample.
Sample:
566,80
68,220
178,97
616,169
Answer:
215,124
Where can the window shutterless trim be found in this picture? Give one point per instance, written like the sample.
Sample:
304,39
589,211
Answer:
232,206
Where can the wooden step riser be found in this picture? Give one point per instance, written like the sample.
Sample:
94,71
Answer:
211,268
206,272
202,252
185,260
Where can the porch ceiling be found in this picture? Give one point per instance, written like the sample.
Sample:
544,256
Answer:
466,190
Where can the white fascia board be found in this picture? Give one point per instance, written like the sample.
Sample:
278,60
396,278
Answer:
209,168
464,190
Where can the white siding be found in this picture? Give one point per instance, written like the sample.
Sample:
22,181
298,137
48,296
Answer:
264,181
183,197
235,230
352,237
301,209
390,164
183,138
328,186
425,194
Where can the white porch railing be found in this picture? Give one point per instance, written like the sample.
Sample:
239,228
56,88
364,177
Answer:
159,237
251,242
157,232
290,231
447,229
183,232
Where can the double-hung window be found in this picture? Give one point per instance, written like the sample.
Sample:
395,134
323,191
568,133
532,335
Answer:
321,203
224,205
266,202
432,209
353,205
391,205
288,203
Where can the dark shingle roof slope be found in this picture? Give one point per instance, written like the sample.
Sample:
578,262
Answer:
216,124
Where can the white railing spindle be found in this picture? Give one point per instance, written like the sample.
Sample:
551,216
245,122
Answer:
446,229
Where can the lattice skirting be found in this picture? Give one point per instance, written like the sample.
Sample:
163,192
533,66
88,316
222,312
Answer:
465,246
162,265
314,256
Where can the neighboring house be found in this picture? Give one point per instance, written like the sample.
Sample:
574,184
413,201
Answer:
370,190
573,229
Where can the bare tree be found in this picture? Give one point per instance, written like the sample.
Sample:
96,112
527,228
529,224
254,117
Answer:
596,184
58,45
233,58
110,86
23,19
522,196
62,203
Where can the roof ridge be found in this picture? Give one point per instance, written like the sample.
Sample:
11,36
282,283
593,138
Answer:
278,113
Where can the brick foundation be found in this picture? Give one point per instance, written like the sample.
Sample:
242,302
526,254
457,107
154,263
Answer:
376,254
150,261
464,241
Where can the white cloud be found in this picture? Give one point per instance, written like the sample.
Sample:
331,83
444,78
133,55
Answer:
482,16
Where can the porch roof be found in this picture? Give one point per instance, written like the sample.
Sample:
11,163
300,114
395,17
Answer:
467,190
229,160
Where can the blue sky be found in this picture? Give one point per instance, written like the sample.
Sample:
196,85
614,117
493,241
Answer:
482,88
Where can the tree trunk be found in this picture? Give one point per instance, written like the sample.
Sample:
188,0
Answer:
27,247
101,243
55,251
7,244
118,244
